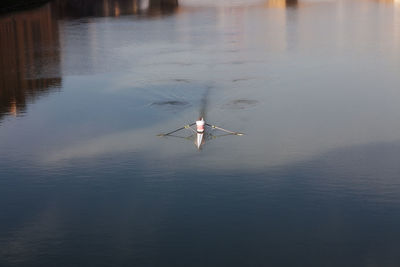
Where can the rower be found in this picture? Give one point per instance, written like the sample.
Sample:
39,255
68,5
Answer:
200,125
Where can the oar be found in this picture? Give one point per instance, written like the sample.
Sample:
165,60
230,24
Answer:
222,129
184,127
221,135
181,137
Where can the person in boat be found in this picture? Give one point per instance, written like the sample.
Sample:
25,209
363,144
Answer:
200,125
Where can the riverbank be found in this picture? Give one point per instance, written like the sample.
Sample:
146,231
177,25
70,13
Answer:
16,5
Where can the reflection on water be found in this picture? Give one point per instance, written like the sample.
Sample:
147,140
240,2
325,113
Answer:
30,52
29,58
239,3
30,43
314,85
389,1
282,3
106,8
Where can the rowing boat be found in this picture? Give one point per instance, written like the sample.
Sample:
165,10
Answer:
199,134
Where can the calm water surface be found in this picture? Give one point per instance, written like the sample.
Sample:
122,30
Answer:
85,87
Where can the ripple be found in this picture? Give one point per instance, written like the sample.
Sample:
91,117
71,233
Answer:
170,103
241,104
182,80
241,79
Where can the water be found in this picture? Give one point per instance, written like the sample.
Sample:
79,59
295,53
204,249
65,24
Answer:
85,87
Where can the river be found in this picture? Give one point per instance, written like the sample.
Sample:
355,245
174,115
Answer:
86,87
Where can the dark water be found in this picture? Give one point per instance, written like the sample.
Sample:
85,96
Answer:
85,87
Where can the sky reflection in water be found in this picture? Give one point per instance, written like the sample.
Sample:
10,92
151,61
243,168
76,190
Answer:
313,84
